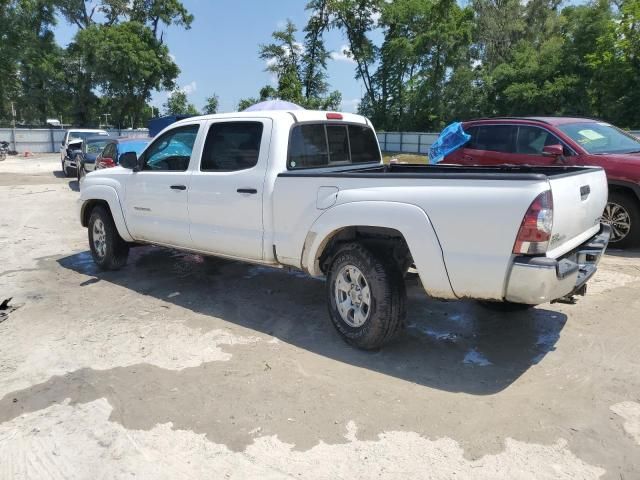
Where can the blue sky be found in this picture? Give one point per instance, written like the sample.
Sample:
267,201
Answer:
219,54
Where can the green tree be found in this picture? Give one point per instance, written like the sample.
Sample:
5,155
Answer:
32,77
127,62
178,104
357,19
283,57
212,105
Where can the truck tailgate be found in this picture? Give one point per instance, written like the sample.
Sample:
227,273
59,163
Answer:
578,202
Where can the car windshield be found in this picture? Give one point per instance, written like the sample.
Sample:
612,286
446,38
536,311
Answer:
84,135
599,138
96,146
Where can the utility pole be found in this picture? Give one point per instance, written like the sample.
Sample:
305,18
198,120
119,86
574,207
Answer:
13,130
106,119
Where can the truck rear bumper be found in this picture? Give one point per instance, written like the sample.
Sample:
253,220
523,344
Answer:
535,280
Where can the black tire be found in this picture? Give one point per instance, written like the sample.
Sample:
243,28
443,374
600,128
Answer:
631,207
115,252
387,307
505,306
65,170
79,170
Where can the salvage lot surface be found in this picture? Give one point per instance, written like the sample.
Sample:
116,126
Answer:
185,367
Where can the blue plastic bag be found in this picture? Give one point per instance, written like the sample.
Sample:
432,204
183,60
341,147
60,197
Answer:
450,139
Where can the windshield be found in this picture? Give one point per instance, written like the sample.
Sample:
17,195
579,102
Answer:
599,137
84,135
96,146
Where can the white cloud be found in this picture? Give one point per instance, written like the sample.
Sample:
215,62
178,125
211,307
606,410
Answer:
190,88
343,55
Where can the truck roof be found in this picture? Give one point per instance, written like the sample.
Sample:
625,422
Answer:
298,116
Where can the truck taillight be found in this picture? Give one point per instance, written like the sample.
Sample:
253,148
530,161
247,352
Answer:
535,230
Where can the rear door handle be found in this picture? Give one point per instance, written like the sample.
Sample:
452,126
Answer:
252,191
178,187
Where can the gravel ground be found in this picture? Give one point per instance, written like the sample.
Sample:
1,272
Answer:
185,367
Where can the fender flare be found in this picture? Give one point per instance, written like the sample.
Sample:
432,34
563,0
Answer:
411,221
110,195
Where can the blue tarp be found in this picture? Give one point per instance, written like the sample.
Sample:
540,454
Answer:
450,139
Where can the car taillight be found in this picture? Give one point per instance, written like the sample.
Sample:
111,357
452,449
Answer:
535,230
334,116
106,163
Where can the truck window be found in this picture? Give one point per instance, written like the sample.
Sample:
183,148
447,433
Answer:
364,144
172,151
231,146
338,142
322,145
308,147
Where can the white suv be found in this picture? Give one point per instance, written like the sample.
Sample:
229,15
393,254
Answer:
67,160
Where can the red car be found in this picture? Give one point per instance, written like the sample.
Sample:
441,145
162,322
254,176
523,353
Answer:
565,141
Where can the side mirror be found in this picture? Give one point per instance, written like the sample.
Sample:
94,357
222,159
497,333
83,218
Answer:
129,160
553,151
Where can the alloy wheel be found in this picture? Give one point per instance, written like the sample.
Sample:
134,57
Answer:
99,238
353,296
618,218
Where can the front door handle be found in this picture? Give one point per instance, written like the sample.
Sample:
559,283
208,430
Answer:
252,191
178,187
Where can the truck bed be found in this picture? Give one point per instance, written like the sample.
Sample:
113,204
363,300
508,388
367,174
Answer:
506,172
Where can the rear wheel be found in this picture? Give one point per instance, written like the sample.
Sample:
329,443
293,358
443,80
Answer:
366,297
622,213
108,249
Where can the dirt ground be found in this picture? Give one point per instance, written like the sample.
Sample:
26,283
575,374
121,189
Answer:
184,367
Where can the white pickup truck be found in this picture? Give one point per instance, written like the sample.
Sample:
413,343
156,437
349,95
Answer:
308,190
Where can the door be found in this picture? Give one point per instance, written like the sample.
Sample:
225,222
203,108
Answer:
156,198
227,189
489,145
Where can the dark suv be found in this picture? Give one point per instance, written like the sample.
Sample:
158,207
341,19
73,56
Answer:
565,141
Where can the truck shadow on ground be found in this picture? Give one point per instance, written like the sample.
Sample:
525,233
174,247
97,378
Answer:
454,346
73,182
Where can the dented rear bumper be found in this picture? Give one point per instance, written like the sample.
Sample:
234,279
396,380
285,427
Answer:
535,280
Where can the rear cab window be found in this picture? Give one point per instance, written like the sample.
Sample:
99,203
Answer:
325,144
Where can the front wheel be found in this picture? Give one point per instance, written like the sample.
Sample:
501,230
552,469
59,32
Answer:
622,213
65,170
108,249
81,173
366,297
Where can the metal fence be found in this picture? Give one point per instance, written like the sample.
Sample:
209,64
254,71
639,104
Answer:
48,140
45,140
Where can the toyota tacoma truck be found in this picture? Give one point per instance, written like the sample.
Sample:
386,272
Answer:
308,190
